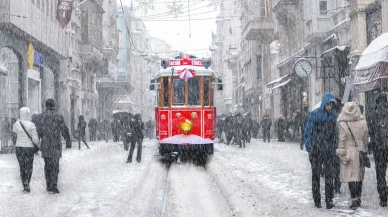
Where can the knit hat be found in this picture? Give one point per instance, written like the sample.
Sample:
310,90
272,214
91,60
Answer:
350,112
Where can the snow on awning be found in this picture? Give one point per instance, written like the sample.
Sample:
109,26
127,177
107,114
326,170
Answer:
371,71
278,79
281,84
340,48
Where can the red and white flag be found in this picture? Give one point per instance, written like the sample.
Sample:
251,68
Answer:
185,74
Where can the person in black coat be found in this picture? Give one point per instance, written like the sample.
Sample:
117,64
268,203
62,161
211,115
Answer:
81,131
137,137
50,128
266,123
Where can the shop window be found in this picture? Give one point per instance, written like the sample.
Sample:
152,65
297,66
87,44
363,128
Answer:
194,91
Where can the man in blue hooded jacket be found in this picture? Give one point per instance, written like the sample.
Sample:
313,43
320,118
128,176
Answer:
320,140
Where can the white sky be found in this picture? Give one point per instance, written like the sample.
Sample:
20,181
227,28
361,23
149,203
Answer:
176,31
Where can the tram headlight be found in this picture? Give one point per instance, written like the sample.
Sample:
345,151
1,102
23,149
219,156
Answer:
186,126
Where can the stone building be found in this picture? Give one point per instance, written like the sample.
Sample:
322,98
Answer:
29,25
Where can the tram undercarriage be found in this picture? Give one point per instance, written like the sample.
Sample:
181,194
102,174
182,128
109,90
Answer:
193,152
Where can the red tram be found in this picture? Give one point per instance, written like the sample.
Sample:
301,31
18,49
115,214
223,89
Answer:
185,114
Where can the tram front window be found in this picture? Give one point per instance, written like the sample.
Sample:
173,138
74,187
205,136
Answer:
206,91
194,91
179,91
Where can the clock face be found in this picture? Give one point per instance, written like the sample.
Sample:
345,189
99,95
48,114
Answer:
303,67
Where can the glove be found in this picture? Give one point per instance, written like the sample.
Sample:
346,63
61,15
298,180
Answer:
36,149
344,160
371,147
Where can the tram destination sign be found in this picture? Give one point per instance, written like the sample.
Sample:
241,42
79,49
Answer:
185,62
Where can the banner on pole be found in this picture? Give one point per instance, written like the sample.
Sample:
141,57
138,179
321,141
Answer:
64,9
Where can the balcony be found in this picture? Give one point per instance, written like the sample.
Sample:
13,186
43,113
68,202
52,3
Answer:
285,11
258,29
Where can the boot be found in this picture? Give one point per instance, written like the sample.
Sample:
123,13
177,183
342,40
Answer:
55,190
355,203
26,188
318,204
383,201
329,204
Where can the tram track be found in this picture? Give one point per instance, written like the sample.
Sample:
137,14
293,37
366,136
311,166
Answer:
190,190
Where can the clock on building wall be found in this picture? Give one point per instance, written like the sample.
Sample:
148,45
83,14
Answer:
302,67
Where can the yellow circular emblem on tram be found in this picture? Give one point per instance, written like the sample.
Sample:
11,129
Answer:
186,126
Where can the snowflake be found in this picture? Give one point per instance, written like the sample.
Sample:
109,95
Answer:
175,8
214,3
145,5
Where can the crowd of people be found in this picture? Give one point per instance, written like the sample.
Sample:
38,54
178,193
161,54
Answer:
42,132
336,138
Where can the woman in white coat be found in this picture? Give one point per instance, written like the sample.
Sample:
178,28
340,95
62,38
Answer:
25,149
352,138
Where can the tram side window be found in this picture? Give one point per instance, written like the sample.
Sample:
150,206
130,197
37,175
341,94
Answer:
179,91
165,92
206,91
194,92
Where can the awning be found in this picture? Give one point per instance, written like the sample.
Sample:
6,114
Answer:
371,71
281,84
278,79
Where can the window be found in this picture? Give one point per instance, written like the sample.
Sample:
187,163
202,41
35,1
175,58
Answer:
309,26
323,7
206,91
165,92
194,91
263,9
178,91
258,70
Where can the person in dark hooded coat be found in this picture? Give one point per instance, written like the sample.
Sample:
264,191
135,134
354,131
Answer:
50,129
81,130
378,131
137,127
320,139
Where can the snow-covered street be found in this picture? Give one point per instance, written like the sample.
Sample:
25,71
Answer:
264,179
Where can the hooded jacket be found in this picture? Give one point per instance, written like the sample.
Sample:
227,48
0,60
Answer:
352,138
320,131
22,139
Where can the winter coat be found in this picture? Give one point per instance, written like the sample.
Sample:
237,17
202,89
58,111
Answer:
52,126
81,126
22,139
378,142
266,122
320,131
348,151
137,127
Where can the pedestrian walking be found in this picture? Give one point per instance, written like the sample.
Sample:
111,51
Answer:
266,123
50,131
137,137
378,131
320,142
352,139
81,132
26,144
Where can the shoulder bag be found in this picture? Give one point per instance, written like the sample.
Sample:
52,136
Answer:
364,160
36,147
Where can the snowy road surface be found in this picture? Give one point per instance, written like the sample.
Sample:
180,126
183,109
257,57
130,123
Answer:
264,179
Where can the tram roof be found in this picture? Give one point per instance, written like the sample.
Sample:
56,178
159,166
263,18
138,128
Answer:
199,71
